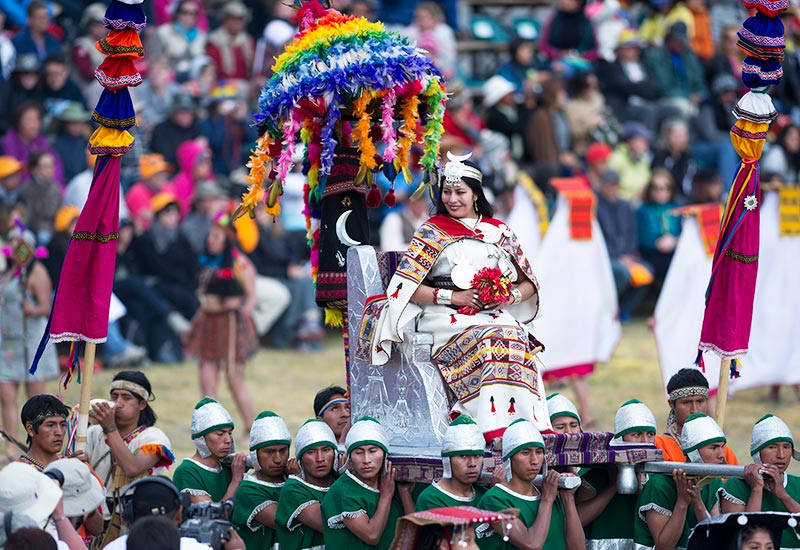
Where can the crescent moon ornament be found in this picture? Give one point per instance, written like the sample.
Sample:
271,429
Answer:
341,230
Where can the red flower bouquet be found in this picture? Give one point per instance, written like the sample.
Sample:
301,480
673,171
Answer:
492,287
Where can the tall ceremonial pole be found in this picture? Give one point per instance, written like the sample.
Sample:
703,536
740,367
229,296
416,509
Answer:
731,288
83,294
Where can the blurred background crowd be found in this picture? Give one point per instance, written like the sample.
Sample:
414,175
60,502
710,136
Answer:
634,97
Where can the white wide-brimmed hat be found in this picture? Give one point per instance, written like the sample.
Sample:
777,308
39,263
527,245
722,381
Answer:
82,491
26,490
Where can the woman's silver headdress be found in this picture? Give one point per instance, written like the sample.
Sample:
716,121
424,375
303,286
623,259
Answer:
455,169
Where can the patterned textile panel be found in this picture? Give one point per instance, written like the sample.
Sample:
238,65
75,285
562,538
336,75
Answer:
561,450
387,264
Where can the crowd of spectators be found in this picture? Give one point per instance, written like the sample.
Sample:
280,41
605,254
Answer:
636,97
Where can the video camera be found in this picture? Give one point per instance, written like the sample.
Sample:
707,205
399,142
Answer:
207,522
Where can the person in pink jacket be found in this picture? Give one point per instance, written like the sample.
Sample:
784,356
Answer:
194,162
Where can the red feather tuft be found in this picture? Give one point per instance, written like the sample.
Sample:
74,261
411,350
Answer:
390,200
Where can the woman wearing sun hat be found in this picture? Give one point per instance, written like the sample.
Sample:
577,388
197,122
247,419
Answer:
450,528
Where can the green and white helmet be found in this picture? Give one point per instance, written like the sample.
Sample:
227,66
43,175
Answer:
208,416
768,430
520,434
558,405
462,437
267,429
700,430
633,416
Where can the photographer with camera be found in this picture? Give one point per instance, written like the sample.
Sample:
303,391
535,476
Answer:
26,491
158,496
44,418
203,477
258,495
298,519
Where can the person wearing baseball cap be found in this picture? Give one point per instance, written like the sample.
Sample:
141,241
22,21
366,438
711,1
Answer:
11,171
154,174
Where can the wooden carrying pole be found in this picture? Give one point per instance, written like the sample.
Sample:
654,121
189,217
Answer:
722,391
86,392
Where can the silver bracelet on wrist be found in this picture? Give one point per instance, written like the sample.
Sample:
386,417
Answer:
445,297
517,294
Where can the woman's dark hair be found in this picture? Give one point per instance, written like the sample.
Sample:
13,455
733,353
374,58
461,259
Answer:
737,540
482,205
579,83
214,284
30,538
16,117
550,91
35,158
147,417
792,158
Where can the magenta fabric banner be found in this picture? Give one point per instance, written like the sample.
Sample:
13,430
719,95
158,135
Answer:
83,296
730,293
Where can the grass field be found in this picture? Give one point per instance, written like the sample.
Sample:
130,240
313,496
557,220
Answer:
286,381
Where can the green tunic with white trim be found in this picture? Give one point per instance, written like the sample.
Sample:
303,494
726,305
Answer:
349,497
660,494
252,497
296,496
613,528
738,491
501,497
434,496
197,479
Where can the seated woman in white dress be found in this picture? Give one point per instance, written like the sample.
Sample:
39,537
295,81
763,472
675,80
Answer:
486,358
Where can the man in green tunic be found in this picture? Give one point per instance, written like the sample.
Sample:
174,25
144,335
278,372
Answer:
202,476
257,497
669,506
462,461
766,486
547,519
298,519
613,527
360,509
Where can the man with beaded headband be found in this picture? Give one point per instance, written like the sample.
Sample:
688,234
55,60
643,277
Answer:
766,485
44,418
125,445
258,495
463,448
687,393
670,506
612,525
547,518
485,351
298,519
361,509
202,476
